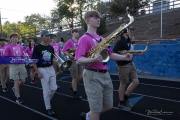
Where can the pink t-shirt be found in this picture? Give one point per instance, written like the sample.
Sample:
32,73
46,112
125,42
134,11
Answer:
2,50
14,50
29,51
86,43
57,48
70,44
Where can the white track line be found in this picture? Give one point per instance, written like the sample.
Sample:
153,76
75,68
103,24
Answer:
175,101
62,94
33,110
154,85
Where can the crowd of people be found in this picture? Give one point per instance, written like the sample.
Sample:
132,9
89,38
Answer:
94,73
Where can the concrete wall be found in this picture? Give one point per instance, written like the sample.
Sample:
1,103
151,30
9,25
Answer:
148,26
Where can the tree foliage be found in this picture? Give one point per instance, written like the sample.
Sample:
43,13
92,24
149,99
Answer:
22,28
38,21
69,14
119,6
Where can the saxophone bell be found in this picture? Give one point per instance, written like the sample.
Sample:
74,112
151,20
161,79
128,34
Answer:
105,55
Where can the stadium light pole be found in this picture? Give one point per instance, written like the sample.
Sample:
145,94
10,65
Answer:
161,20
1,29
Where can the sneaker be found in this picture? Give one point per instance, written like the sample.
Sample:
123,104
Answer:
83,115
77,97
50,112
4,90
32,82
126,97
124,105
13,89
19,100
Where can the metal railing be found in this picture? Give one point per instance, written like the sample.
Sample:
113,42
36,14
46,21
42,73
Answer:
155,7
149,9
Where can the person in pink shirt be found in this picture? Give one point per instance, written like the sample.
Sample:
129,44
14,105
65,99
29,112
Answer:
57,51
72,43
61,42
17,72
97,82
3,67
30,71
55,45
75,69
30,47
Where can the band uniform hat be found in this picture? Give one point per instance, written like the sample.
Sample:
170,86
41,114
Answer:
52,36
44,33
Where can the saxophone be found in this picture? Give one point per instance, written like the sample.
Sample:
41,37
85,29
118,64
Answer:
101,47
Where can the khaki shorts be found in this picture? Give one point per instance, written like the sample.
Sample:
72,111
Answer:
4,74
127,72
76,70
17,72
99,90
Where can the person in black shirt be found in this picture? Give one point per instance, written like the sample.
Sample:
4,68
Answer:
44,69
127,69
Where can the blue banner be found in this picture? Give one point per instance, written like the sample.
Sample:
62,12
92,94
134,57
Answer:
16,60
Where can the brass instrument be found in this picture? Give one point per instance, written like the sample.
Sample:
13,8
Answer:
135,51
101,47
64,64
70,54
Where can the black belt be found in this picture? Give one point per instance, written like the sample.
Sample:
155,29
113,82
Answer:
96,70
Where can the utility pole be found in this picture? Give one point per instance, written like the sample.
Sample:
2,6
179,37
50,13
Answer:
161,29
1,28
0,23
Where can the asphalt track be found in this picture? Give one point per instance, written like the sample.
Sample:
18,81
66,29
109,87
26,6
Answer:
152,100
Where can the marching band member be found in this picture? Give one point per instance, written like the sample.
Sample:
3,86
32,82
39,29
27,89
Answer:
57,51
97,82
127,69
30,71
75,69
17,72
44,69
3,67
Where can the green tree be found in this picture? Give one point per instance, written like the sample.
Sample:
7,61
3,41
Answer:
9,28
118,7
65,12
38,21
71,11
22,28
56,19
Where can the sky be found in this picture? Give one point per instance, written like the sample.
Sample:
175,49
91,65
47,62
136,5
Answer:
16,10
